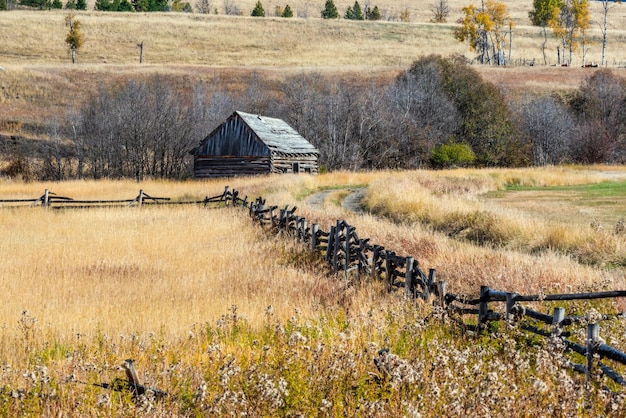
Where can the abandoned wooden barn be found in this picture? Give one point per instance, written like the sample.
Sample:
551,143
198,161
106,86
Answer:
248,144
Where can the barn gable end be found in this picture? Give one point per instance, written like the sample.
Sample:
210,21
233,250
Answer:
249,144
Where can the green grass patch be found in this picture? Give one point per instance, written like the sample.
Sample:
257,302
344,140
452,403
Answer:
604,189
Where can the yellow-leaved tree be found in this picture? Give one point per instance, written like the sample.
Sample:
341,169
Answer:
486,29
74,38
571,27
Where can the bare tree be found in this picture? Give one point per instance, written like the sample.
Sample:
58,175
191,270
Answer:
203,6
231,8
549,127
606,6
440,10
144,129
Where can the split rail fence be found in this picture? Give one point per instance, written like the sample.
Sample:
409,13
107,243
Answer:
352,256
51,200
348,254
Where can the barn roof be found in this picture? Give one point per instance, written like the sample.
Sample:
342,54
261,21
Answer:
277,134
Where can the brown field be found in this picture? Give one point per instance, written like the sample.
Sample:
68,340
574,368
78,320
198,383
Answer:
37,80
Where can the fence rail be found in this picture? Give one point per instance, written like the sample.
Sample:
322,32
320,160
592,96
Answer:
51,200
348,254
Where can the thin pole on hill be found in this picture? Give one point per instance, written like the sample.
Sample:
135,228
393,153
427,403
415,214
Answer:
140,46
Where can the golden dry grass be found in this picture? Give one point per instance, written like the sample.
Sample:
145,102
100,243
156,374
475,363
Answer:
38,83
34,37
158,269
184,290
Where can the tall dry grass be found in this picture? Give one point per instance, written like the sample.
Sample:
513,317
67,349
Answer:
186,291
217,40
454,203
155,270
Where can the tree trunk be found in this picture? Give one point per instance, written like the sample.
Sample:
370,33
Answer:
605,7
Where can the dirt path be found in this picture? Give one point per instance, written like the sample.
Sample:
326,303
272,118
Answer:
352,202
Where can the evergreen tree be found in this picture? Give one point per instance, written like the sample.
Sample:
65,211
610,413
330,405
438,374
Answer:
157,6
81,4
102,5
258,10
330,10
123,6
71,5
40,4
373,14
140,5
56,4
357,14
287,12
3,4
349,13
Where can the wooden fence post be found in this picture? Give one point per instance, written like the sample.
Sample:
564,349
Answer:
303,229
431,286
46,198
557,318
388,269
409,285
593,335
375,258
314,229
272,217
349,230
331,244
510,304
483,307
336,247
140,198
442,286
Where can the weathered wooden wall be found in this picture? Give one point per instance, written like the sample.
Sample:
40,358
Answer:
304,163
233,138
228,166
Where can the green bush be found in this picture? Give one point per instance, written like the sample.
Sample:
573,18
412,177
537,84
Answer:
452,154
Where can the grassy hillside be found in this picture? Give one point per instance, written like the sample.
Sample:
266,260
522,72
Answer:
37,80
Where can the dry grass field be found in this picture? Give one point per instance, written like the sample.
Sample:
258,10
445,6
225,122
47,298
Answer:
232,320
38,82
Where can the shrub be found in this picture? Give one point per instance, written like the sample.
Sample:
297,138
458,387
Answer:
452,154
405,16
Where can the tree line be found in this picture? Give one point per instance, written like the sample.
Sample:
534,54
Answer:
438,113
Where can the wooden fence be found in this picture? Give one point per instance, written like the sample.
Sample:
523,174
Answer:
51,200
348,254
352,256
